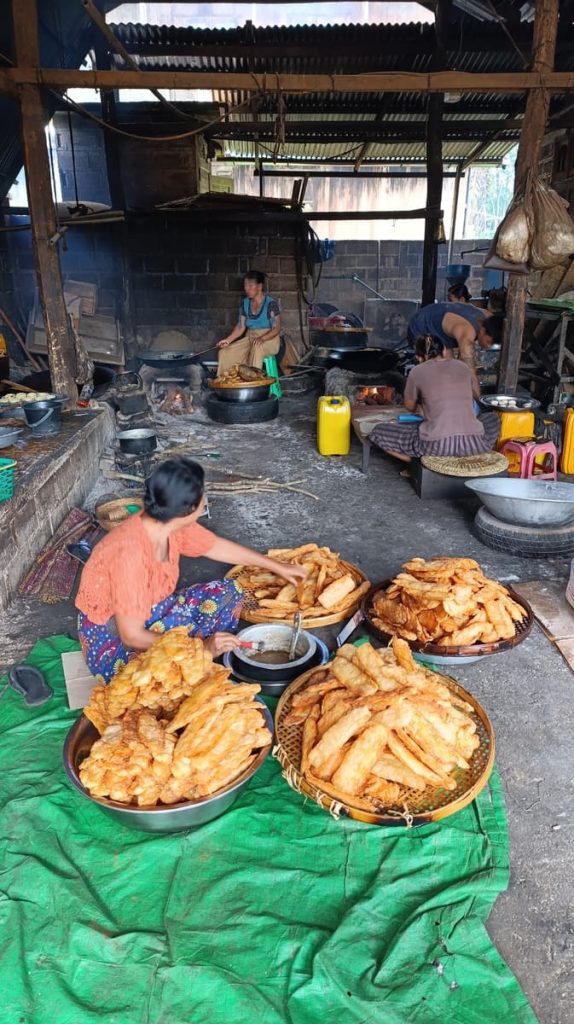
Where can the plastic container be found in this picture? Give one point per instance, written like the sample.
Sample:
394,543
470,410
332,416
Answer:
333,425
567,456
44,417
519,424
6,478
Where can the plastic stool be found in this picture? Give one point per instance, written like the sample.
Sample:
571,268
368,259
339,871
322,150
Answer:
528,452
272,370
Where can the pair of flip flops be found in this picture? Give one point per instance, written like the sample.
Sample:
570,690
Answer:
30,684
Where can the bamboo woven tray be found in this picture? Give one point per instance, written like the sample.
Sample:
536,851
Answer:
412,808
523,629
252,613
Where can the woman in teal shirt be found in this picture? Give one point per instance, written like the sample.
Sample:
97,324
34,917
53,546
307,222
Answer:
258,330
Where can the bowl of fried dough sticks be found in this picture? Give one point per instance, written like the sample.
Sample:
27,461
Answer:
171,741
447,610
378,737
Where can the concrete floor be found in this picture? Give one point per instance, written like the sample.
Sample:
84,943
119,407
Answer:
378,522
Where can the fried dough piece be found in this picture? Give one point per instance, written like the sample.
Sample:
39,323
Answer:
336,592
403,655
310,734
356,765
391,769
403,754
381,791
500,619
352,677
338,734
326,768
424,756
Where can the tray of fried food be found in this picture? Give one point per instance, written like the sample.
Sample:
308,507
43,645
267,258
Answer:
331,590
447,606
241,376
173,727
378,737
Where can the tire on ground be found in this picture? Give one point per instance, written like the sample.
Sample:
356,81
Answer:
242,412
524,541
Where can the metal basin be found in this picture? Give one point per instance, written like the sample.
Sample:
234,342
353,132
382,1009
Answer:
526,502
250,393
9,436
276,637
176,817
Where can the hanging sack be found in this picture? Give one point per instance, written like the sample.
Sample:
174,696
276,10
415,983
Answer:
493,261
513,235
553,227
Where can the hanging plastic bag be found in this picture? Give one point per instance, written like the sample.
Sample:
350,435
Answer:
493,261
553,227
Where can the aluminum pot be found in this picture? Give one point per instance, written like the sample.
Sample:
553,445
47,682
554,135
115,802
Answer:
176,818
526,502
276,637
137,442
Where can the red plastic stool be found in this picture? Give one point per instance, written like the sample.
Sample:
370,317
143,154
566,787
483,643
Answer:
529,455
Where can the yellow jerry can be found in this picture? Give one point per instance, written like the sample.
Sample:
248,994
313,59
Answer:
333,425
515,424
567,456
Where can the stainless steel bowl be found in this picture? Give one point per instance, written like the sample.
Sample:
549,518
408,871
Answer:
253,393
526,502
175,818
276,637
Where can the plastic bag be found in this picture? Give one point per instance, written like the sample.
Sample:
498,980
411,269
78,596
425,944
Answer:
494,262
553,227
513,235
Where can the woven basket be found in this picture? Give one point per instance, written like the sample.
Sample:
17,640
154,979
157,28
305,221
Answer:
488,464
112,513
6,478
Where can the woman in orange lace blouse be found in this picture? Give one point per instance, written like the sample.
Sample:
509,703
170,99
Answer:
128,594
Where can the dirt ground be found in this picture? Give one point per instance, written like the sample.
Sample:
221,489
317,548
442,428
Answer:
378,522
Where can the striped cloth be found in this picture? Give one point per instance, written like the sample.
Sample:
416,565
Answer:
405,439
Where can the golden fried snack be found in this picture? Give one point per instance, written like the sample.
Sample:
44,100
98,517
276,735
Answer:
329,586
379,728
143,757
447,601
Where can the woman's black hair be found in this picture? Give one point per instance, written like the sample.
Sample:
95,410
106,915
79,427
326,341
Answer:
255,275
427,346
494,327
460,291
174,489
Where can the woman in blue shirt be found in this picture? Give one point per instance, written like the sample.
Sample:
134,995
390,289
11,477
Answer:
257,333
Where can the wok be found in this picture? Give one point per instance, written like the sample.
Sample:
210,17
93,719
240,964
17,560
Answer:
169,360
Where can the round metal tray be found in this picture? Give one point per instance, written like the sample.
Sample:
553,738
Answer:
413,808
309,622
452,653
498,403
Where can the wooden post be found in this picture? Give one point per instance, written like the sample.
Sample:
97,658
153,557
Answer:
531,138
61,350
434,161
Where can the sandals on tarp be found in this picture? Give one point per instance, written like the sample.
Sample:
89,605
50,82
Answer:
30,683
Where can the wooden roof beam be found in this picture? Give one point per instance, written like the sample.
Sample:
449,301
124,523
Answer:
400,81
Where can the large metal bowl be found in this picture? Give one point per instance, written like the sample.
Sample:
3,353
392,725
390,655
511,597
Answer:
526,502
276,637
175,818
250,393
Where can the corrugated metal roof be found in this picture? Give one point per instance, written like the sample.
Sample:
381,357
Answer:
379,152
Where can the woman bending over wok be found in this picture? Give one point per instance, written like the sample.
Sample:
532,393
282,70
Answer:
127,591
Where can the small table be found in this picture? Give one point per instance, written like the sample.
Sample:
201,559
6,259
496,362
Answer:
365,418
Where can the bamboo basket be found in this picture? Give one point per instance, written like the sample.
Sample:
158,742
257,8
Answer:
413,808
252,613
112,513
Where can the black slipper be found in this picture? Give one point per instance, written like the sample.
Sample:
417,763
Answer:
30,683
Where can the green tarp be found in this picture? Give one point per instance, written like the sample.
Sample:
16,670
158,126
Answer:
273,914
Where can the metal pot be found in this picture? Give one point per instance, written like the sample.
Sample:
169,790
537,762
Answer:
137,442
254,393
175,818
276,637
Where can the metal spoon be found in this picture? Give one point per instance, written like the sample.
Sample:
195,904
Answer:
295,637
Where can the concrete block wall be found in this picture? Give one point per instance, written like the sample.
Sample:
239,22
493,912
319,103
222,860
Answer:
186,274
393,268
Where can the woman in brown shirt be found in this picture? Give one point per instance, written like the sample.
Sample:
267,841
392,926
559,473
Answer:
443,392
